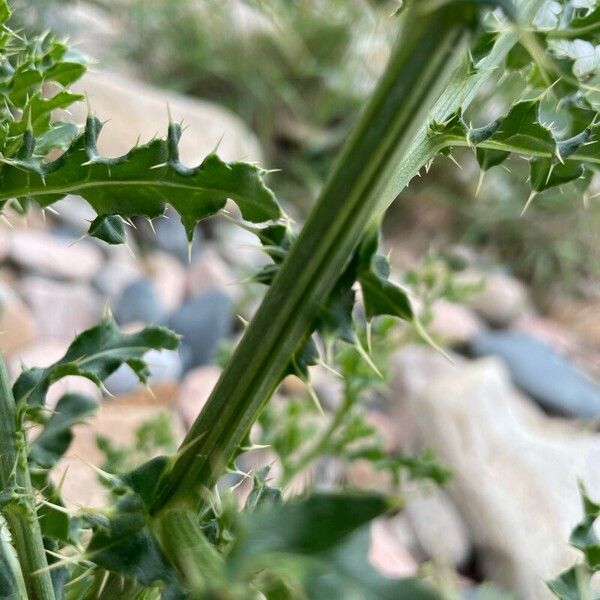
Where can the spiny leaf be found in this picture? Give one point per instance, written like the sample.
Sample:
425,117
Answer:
95,354
546,173
380,296
141,182
345,572
123,543
305,527
57,435
262,494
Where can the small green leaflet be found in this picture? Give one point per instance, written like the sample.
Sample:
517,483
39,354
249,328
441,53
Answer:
57,435
574,583
139,183
95,354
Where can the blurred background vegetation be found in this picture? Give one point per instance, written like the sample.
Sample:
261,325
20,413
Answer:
297,72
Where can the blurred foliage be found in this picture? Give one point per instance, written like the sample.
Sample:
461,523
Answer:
297,72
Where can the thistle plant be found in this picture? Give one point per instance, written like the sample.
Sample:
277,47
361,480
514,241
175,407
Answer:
168,533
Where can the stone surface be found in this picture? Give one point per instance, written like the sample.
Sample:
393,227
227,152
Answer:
580,316
116,419
502,298
194,392
453,323
387,554
169,278
141,109
164,365
18,326
563,338
75,212
115,275
438,527
515,470
209,271
139,302
167,234
202,322
50,255
543,373
61,309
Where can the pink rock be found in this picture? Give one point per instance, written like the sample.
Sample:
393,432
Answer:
169,278
387,554
194,392
44,253
210,271
454,323
18,326
62,310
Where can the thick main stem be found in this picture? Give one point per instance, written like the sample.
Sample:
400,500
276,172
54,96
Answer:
389,145
20,514
349,201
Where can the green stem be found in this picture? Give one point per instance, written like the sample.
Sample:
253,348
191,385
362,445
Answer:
20,514
349,201
386,149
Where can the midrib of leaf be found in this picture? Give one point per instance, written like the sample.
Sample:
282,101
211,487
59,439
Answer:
77,186
326,242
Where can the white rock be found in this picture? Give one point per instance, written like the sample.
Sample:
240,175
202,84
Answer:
501,300
438,527
137,110
61,310
515,469
44,253
453,323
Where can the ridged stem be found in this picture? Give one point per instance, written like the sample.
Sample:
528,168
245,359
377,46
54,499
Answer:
350,200
20,513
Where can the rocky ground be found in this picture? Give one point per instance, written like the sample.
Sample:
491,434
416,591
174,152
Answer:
514,416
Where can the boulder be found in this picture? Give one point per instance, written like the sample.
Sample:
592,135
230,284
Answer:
169,278
18,326
53,256
203,322
515,470
502,298
61,309
135,110
539,370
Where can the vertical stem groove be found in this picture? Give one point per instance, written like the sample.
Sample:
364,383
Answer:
20,513
349,201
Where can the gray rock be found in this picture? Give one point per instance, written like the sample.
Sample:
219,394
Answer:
115,275
139,302
164,365
169,235
502,298
515,470
202,322
540,371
